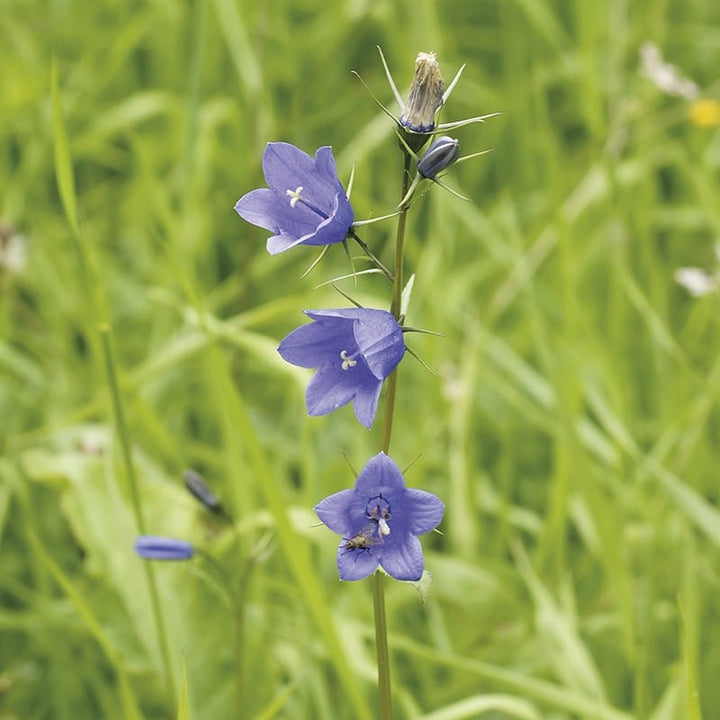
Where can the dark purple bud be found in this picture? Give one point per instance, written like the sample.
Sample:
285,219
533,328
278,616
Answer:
441,153
198,488
152,547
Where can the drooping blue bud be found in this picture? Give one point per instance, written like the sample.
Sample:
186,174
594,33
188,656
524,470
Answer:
152,547
198,488
441,153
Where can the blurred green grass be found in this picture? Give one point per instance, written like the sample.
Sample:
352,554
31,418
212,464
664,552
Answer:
572,429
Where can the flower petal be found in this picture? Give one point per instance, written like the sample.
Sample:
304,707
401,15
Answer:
333,229
268,209
325,166
404,560
333,511
329,389
380,340
423,509
380,475
318,343
355,564
366,402
287,167
259,208
280,243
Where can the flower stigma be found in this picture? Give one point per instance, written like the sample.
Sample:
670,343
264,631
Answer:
347,360
378,509
294,196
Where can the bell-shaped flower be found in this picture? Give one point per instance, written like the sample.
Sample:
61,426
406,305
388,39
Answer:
305,203
379,521
354,350
153,547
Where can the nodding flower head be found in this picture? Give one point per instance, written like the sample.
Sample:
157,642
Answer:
354,350
379,521
305,203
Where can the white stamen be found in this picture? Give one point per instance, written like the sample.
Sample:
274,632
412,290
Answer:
294,195
347,362
383,527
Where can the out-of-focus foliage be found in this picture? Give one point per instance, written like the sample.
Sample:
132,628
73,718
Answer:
572,429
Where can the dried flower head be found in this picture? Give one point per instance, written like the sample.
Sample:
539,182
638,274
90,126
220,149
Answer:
426,95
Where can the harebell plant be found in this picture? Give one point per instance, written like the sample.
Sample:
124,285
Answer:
356,351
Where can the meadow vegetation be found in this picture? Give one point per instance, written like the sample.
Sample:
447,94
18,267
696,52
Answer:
572,429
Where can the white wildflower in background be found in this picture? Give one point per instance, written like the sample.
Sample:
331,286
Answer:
703,112
699,282
665,76
13,250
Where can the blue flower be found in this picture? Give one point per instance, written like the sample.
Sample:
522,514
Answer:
379,521
354,351
305,203
153,547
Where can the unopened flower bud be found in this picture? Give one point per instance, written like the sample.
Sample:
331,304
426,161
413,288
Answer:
424,99
152,547
441,153
198,488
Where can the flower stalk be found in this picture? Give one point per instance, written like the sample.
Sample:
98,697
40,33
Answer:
136,503
354,351
396,304
381,644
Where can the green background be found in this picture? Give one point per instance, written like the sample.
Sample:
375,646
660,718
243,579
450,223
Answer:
572,429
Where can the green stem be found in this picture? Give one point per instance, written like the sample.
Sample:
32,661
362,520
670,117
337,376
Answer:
124,439
383,657
395,308
381,643
370,254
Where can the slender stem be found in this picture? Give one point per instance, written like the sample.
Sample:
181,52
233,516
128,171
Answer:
240,655
400,244
371,255
395,307
383,657
123,437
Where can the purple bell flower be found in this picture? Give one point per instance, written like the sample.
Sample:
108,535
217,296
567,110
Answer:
354,350
153,547
305,203
379,521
